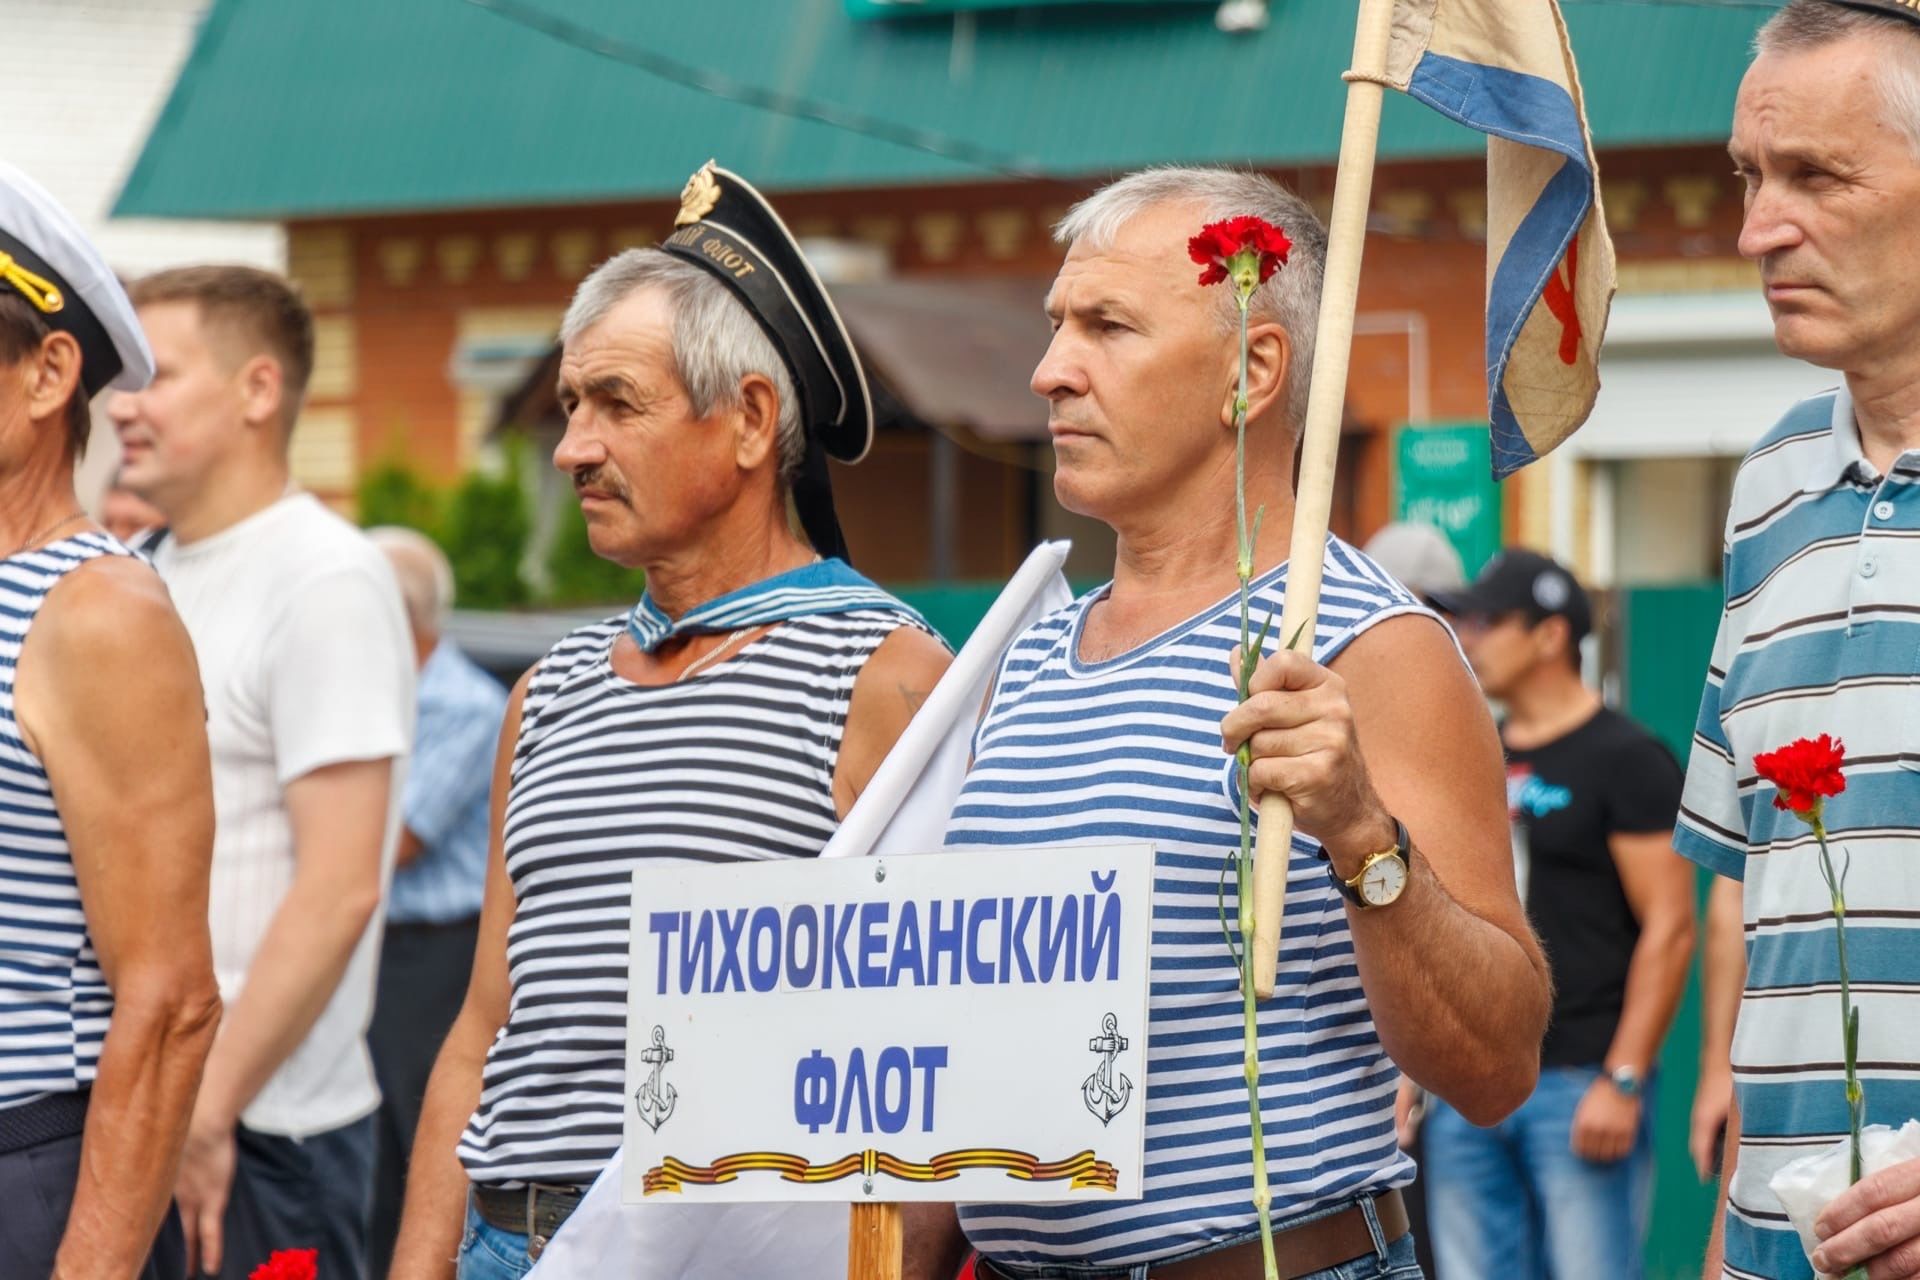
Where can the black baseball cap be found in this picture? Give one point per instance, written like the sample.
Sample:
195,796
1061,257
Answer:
1523,582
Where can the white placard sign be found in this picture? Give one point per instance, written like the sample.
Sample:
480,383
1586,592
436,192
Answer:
946,1027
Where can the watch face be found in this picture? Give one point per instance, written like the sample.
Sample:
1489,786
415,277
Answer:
1383,881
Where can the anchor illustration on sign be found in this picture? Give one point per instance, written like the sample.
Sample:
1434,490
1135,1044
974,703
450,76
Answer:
656,1097
1103,1097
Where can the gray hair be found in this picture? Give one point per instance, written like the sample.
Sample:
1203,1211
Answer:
425,576
1811,24
716,340
1291,298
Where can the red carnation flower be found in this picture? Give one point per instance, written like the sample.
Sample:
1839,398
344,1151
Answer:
288,1264
1219,242
1804,773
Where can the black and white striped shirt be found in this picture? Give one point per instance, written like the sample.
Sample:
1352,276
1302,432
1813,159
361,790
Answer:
54,999
734,764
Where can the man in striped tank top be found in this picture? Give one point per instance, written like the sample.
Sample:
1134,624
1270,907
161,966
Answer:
107,997
1113,719
733,715
1819,634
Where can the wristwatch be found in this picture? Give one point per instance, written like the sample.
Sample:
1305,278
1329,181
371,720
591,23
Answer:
1382,877
1626,1080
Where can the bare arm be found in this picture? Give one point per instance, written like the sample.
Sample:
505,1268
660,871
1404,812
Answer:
1659,887
1715,1263
1458,987
411,847
339,816
1723,975
436,1183
888,691
109,699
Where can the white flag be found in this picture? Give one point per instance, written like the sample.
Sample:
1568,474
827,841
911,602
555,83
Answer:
903,810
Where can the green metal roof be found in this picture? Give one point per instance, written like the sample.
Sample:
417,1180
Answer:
301,108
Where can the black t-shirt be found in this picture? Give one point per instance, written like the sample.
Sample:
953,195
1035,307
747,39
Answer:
1607,777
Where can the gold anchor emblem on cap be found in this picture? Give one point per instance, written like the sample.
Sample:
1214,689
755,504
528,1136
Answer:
698,197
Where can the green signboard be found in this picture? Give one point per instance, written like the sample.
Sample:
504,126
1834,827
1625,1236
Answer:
1443,476
924,8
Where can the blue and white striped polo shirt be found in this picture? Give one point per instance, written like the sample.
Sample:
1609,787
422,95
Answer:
1073,752
1820,634
455,735
54,1000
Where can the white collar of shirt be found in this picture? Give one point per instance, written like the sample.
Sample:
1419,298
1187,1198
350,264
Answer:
1849,461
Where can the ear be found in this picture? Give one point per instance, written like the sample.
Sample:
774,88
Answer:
1270,355
262,389
1553,637
758,437
53,378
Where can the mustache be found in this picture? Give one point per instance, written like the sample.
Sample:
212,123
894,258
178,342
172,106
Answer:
602,479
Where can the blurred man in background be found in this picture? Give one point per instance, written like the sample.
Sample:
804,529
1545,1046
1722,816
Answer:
107,996
1420,556
125,514
433,912
1564,1186
308,667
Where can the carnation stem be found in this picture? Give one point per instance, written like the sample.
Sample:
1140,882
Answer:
1243,675
1849,1016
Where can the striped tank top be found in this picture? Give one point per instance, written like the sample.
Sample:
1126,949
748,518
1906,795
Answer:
734,764
54,1000
1073,752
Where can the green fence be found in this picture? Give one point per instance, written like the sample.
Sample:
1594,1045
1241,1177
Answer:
1666,635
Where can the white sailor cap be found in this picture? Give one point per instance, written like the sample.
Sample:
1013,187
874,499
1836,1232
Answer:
46,259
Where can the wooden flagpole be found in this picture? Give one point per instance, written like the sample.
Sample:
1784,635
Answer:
875,1242
1320,444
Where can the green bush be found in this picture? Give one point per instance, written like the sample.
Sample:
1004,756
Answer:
484,524
484,534
393,493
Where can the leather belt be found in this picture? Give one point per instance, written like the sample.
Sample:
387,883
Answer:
534,1211
1304,1250
48,1119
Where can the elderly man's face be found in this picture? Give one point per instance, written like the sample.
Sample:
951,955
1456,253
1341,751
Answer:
650,476
1832,204
1136,372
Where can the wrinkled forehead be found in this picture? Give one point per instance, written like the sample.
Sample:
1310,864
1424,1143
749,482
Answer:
635,336
1830,99
1144,256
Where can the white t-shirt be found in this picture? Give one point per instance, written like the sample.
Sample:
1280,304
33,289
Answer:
307,660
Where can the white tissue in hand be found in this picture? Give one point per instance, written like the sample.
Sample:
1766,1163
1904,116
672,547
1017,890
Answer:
1811,1183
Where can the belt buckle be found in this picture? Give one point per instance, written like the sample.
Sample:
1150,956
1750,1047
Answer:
536,1243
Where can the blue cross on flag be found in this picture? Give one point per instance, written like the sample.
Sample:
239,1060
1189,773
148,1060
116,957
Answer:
1504,67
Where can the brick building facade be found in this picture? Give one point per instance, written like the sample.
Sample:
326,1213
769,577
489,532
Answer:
427,320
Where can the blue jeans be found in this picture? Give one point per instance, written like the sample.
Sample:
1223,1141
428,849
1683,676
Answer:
489,1253
1514,1201
1390,1260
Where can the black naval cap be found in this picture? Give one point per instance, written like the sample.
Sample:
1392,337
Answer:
49,262
728,228
1908,9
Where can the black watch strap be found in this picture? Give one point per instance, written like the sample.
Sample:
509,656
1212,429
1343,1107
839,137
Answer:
1401,844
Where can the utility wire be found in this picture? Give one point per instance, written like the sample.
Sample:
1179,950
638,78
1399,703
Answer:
722,86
